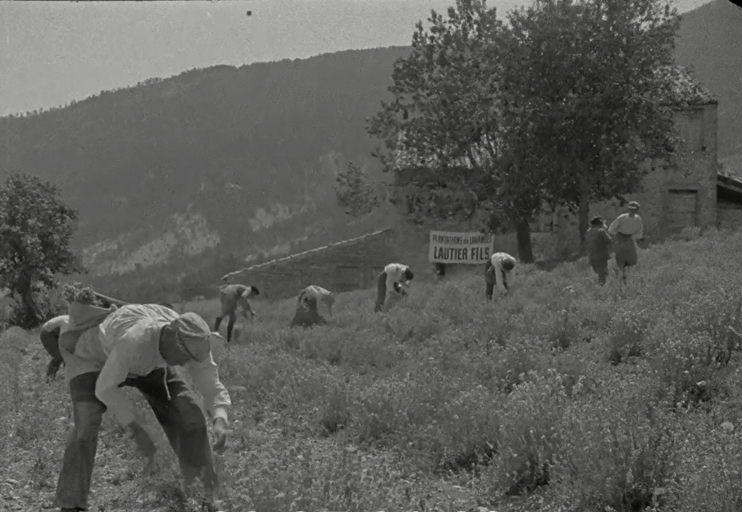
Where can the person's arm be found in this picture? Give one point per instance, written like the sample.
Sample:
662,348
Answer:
640,233
391,278
107,389
498,277
205,377
246,307
330,301
613,228
608,241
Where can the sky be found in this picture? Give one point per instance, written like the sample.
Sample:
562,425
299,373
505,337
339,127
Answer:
53,52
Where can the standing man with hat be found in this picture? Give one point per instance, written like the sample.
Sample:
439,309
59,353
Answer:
136,345
627,228
598,243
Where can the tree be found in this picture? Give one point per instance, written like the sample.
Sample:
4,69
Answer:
35,233
591,88
446,120
354,192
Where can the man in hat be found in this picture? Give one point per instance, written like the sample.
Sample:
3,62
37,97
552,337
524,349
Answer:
231,296
598,243
627,228
137,345
395,276
496,271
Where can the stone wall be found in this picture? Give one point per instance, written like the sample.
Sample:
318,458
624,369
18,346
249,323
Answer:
729,215
340,267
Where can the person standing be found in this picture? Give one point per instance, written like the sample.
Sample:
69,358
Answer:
231,296
627,228
395,276
137,345
496,271
599,244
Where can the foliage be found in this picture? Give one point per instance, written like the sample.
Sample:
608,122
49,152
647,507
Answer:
36,229
448,402
77,292
443,121
588,91
354,192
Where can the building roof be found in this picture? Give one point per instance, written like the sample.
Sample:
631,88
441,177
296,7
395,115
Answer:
730,181
308,252
684,89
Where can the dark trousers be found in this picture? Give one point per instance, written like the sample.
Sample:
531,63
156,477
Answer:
600,266
180,416
380,292
489,279
230,324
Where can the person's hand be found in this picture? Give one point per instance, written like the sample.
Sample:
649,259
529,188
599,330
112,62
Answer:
53,367
144,443
220,434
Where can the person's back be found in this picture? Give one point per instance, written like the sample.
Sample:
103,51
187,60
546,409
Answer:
320,294
306,313
598,243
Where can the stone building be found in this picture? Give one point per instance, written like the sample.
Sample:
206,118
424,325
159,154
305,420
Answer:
671,198
694,195
347,265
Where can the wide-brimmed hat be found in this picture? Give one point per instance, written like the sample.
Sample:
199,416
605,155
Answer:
633,205
597,221
194,335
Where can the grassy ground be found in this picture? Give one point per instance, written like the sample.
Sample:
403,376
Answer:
580,397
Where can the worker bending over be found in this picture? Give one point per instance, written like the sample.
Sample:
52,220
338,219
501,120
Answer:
231,296
396,277
496,272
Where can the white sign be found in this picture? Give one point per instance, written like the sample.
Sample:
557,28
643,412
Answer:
472,248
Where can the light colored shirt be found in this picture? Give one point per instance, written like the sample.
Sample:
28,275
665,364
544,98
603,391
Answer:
126,345
319,293
395,274
497,260
627,225
61,322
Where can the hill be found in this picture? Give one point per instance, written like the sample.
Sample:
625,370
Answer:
218,160
710,43
185,178
590,398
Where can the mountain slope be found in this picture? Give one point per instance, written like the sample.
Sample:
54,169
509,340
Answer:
217,157
710,42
